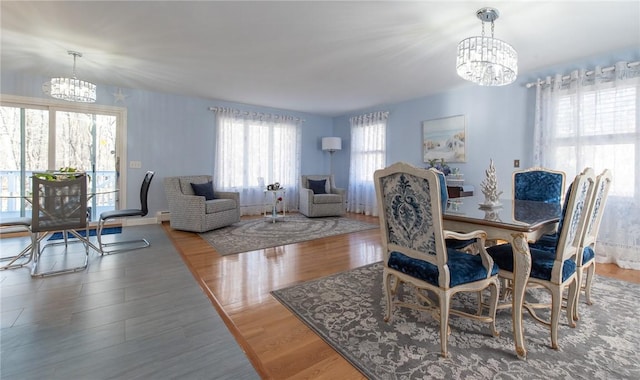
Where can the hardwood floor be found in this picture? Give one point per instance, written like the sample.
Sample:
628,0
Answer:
276,342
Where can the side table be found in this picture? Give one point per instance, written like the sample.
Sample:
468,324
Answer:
271,200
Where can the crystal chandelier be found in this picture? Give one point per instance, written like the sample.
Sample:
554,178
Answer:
73,89
487,61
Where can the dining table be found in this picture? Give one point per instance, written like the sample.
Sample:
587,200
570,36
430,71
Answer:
28,249
517,222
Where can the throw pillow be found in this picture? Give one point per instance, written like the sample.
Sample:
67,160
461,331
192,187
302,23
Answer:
318,187
204,190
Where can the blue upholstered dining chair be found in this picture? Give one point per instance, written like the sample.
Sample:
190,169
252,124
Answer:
586,254
444,200
415,253
538,184
555,268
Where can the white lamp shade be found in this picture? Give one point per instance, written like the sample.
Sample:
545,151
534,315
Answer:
331,143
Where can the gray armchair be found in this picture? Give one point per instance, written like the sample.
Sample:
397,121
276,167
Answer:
191,212
326,200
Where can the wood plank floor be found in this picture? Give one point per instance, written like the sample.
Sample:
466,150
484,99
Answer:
277,343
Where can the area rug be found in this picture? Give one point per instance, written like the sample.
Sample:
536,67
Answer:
253,234
92,232
346,310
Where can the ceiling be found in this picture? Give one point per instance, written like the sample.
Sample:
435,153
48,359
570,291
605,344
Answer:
322,57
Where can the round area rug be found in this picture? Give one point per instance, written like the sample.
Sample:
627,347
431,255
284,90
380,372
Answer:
253,234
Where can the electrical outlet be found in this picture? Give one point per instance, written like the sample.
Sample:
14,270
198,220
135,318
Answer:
516,163
135,164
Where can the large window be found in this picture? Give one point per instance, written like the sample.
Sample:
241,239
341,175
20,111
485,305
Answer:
36,135
254,149
592,120
368,154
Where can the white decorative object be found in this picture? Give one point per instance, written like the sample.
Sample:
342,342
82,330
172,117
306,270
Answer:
489,188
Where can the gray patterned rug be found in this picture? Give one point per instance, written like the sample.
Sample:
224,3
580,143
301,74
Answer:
253,234
346,310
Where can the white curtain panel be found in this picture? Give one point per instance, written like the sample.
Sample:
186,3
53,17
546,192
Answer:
592,119
254,150
368,154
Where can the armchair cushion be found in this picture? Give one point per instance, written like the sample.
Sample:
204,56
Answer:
204,190
319,186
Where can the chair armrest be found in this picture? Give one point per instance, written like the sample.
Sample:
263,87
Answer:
337,190
477,234
306,195
481,238
182,203
228,195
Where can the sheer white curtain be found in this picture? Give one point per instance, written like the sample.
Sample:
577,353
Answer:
256,149
368,154
593,119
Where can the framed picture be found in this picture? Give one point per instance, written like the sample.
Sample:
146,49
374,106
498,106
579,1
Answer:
444,139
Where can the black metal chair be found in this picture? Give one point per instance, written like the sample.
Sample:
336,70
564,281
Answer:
24,257
129,245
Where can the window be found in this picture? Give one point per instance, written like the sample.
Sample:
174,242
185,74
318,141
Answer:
39,135
592,120
253,150
368,154
604,137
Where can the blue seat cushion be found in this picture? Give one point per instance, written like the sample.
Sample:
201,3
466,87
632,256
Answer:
463,267
588,254
541,261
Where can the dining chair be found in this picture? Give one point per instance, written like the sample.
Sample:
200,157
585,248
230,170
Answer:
415,253
538,184
465,245
586,253
554,269
58,204
17,225
126,245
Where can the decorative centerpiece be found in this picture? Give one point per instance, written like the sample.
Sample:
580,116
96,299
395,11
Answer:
489,187
441,166
274,211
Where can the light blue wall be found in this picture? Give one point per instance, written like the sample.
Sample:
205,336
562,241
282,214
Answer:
499,123
174,135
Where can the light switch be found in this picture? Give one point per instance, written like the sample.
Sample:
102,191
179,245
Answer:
135,164
516,163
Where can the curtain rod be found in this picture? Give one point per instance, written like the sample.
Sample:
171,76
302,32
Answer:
257,114
605,69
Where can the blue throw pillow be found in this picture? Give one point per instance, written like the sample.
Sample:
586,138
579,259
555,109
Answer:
318,187
204,190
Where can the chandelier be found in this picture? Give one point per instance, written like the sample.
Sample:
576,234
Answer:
73,89
487,61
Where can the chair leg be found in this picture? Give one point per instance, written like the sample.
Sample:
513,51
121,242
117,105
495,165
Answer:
386,284
139,243
494,288
556,306
591,271
444,324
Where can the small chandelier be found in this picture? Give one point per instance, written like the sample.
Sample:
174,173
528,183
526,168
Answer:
73,89
487,61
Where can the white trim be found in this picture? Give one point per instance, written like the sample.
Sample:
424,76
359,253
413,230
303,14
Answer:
119,112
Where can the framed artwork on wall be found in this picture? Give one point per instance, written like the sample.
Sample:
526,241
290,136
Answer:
444,139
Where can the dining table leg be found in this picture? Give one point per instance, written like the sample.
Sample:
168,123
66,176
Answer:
521,271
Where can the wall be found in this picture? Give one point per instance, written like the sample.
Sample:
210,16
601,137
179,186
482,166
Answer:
173,134
499,123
